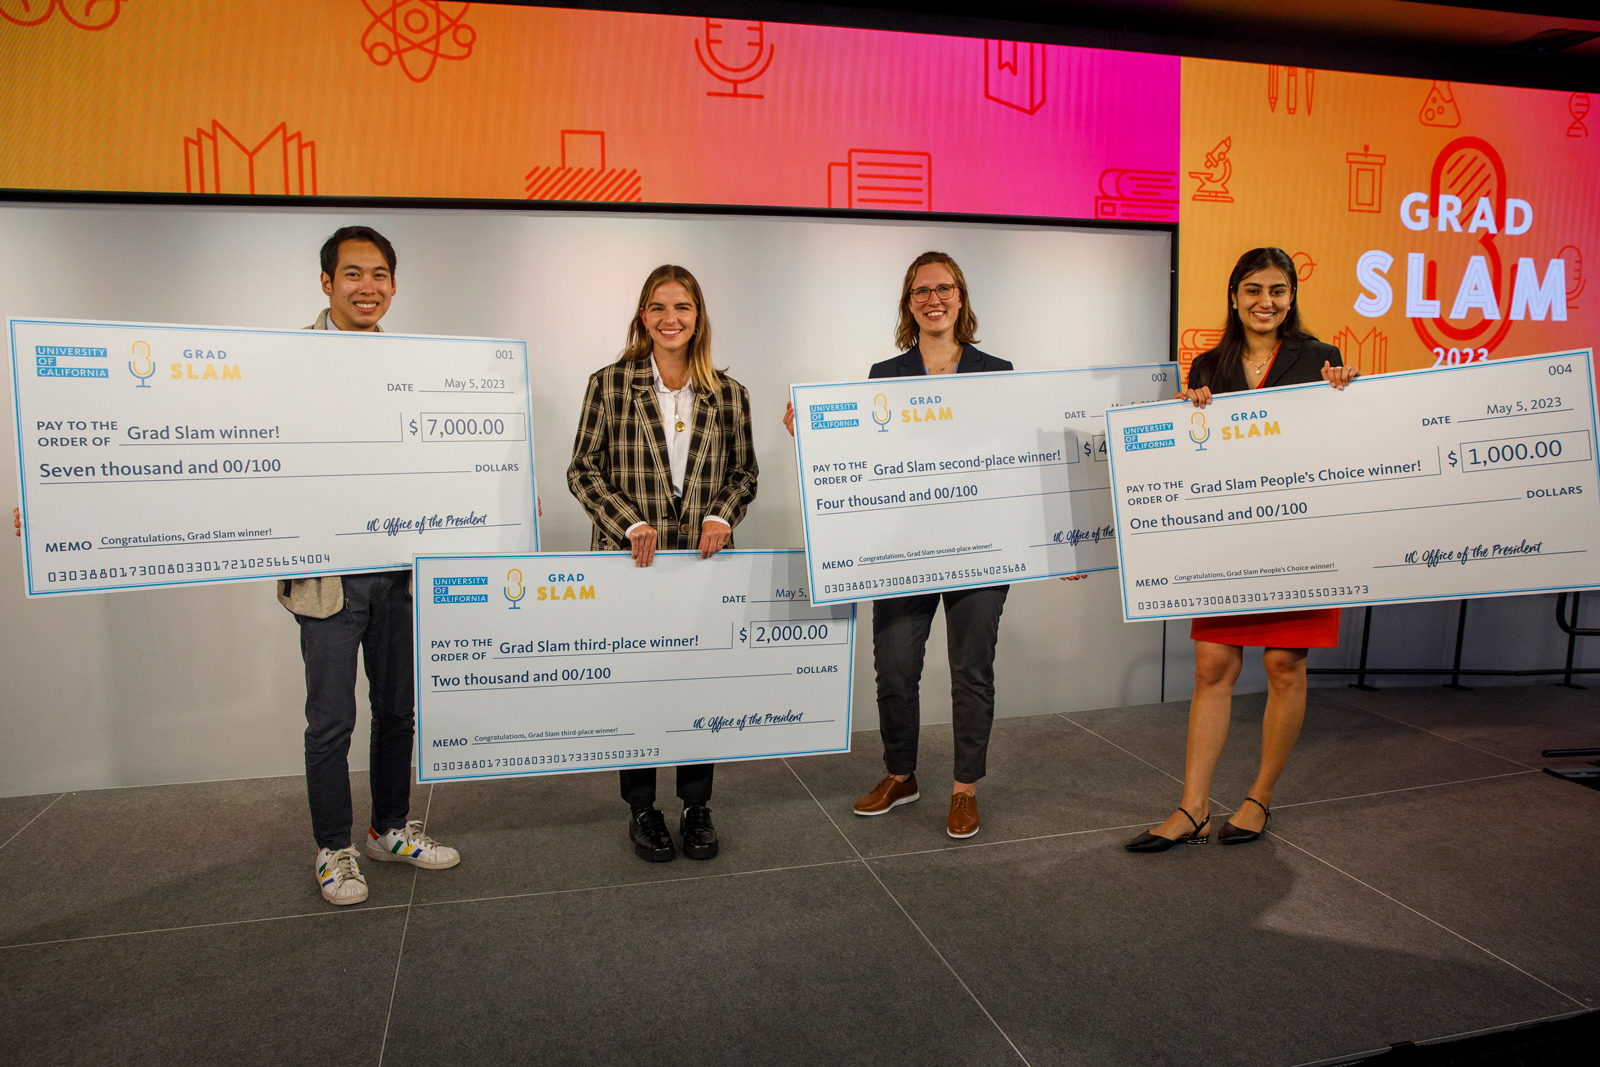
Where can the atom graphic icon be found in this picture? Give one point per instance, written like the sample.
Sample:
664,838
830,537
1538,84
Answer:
417,32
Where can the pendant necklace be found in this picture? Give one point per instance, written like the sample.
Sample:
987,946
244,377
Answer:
677,398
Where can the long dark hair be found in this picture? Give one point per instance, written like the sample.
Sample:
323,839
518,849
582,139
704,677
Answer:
1215,367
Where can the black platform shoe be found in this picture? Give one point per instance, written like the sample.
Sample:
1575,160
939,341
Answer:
647,829
1232,835
699,836
1149,842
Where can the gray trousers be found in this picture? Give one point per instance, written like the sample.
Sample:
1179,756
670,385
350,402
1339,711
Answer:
899,640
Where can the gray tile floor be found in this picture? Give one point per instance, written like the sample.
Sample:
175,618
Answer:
1422,878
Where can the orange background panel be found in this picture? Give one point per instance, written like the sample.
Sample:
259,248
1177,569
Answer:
1308,180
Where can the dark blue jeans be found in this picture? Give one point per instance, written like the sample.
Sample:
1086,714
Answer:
376,618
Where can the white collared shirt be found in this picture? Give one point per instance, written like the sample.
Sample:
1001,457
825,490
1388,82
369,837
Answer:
675,406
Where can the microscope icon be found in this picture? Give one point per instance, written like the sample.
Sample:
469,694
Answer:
1214,179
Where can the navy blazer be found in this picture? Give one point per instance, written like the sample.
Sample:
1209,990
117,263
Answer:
909,364
1297,363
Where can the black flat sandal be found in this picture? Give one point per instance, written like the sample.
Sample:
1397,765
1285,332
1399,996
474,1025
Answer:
1149,842
1232,835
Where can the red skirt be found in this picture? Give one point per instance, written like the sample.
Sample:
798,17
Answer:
1312,628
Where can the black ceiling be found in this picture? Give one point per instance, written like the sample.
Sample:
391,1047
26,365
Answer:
1467,42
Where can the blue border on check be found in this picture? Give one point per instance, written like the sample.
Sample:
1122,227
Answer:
417,662
22,487
805,512
1594,428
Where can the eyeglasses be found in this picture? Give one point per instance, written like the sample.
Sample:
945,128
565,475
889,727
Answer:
921,293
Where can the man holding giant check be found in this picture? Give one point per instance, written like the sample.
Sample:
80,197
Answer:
163,455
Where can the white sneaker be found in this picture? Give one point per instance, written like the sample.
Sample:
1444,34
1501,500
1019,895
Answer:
412,846
340,877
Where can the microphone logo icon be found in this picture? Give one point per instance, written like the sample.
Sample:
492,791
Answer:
514,580
141,351
880,407
736,53
1199,432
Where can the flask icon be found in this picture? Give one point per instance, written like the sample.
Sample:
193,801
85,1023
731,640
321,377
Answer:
1199,432
141,351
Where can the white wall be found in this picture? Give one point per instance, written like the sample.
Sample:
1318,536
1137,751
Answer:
205,683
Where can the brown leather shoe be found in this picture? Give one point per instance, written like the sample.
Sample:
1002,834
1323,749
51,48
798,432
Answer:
888,794
963,815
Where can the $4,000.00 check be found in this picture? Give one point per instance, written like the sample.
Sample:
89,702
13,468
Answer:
1470,481
578,661
156,455
917,485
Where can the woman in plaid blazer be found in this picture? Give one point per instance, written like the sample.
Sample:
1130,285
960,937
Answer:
664,460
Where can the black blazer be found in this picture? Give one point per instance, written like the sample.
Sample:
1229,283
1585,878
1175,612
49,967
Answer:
909,364
1297,363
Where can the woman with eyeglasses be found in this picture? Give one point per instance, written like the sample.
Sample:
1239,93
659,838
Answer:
664,418
1263,344
936,329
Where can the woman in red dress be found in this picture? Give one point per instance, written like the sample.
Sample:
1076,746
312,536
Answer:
1263,345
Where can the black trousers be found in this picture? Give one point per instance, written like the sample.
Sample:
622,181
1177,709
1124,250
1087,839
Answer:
694,784
899,641
376,618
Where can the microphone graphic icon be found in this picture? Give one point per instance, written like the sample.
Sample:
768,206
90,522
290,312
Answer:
736,53
881,403
521,590
1199,432
142,351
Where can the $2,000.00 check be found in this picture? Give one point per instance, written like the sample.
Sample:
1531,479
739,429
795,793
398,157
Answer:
579,661
155,455
918,485
1470,481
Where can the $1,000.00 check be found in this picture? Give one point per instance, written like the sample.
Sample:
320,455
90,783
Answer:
918,485
1470,481
579,661
155,455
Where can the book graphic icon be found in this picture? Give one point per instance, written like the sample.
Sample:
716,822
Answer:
1368,352
583,174
882,179
1013,74
215,161
1137,195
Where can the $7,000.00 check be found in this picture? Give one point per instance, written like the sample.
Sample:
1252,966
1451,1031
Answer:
1470,481
154,455
579,661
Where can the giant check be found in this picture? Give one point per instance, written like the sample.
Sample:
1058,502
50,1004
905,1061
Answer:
916,485
157,455
1470,481
577,661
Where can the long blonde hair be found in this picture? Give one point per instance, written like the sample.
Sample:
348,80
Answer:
640,346
906,332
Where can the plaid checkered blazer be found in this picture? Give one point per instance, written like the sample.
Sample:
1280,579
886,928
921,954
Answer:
620,472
